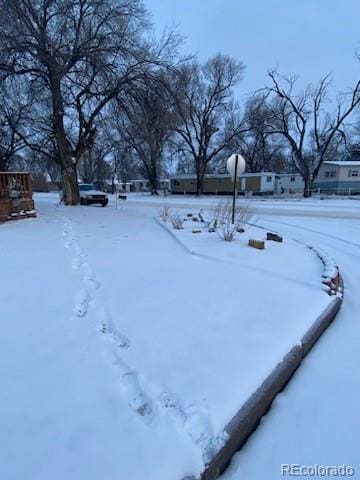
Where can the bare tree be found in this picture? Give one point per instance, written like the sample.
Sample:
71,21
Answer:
83,53
262,151
143,120
207,117
13,108
312,133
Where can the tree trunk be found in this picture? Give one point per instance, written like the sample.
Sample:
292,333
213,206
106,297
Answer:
200,178
71,195
153,178
3,164
70,186
308,187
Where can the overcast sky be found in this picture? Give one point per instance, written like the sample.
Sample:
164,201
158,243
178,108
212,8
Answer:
304,37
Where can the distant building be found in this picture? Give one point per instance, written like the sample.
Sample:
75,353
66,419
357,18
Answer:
142,185
221,184
342,178
123,187
289,183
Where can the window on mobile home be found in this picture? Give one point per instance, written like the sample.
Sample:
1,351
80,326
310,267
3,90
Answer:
353,173
331,173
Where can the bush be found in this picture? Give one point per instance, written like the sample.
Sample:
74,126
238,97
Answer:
176,221
208,217
165,213
222,214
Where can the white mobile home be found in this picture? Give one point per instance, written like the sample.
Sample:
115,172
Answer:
258,183
289,183
142,185
339,177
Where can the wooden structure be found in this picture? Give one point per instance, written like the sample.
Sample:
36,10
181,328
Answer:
16,196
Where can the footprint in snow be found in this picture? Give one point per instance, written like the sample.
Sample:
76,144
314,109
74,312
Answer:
108,328
172,405
199,427
78,250
82,303
89,278
76,263
138,401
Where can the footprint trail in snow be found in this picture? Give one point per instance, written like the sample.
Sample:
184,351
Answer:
195,420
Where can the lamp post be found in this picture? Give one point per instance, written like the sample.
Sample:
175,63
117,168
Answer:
235,166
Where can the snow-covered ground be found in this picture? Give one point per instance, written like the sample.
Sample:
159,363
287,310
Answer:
316,419
314,207
118,347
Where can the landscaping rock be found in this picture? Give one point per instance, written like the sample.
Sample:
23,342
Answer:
195,219
259,244
240,230
274,237
212,230
196,230
189,214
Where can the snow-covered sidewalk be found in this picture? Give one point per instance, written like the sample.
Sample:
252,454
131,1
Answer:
121,354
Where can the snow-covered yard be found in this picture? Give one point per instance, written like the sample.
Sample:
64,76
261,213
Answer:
315,420
122,354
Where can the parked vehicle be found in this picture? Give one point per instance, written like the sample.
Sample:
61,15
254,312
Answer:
89,195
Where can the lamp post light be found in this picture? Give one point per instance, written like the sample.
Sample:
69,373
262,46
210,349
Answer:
235,166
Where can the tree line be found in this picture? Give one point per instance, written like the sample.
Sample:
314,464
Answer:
87,90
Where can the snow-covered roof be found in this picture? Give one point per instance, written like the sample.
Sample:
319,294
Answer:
346,163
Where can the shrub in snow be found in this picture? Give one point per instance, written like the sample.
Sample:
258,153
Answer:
165,213
207,217
222,215
176,221
227,231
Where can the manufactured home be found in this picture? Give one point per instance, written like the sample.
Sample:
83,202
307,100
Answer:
222,184
123,187
339,177
214,184
16,196
289,183
143,185
257,183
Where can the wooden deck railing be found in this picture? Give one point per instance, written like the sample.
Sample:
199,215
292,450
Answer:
17,181
15,195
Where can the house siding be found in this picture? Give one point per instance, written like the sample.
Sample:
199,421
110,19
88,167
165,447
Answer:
346,187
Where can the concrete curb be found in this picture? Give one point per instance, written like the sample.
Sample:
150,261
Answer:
183,245
178,241
247,419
